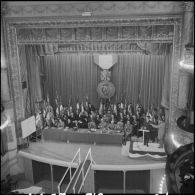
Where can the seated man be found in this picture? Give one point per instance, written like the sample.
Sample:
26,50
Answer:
83,122
128,128
111,126
68,124
103,124
92,125
120,125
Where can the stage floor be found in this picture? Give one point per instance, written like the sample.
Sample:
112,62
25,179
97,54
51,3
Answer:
101,154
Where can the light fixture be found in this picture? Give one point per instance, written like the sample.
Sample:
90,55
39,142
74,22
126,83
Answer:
187,62
161,184
186,66
5,124
175,142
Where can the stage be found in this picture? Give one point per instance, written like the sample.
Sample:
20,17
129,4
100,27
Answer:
109,164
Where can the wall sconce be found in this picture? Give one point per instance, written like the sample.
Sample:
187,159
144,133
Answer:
188,62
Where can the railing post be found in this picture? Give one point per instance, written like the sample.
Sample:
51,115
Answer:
124,181
51,167
79,157
82,174
70,173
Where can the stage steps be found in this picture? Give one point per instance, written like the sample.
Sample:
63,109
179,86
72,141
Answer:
78,177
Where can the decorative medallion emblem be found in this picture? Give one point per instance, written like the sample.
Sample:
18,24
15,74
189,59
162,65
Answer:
105,89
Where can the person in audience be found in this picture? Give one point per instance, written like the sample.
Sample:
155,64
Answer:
50,118
128,128
155,122
121,117
68,124
92,124
83,120
161,130
60,123
72,117
120,126
135,126
130,109
75,124
113,118
76,115
108,116
149,127
112,126
97,119
103,124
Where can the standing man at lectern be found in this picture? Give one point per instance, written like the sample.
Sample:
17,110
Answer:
161,130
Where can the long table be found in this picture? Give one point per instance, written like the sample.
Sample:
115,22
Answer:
82,136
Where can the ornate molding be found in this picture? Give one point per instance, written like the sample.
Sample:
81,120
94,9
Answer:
27,9
173,108
188,6
61,22
95,34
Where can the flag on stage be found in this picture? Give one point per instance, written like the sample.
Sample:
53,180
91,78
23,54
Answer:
115,109
87,101
82,107
101,108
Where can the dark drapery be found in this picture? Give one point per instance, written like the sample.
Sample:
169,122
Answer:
135,76
30,64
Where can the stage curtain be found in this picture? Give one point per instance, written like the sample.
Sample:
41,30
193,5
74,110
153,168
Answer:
71,77
135,76
139,77
30,63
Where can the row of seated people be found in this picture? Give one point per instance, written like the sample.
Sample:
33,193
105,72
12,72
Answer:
109,120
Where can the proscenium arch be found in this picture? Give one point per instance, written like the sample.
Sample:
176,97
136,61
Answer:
11,26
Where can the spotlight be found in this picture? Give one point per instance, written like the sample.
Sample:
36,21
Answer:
5,124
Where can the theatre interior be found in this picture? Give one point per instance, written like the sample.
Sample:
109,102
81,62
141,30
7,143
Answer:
97,97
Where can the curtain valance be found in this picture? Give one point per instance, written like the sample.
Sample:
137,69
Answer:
118,33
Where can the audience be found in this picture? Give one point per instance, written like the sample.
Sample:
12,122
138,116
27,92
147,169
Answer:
120,117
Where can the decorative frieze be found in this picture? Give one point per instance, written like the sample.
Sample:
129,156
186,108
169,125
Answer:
26,9
117,33
188,6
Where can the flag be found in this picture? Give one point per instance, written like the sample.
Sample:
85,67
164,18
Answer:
82,107
77,104
125,106
122,106
115,109
87,101
101,108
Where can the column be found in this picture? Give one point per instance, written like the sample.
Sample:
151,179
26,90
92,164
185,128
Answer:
188,24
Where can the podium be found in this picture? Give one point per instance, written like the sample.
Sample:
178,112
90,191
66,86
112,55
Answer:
144,130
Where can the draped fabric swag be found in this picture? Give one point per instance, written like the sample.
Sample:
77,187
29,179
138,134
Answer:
30,63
